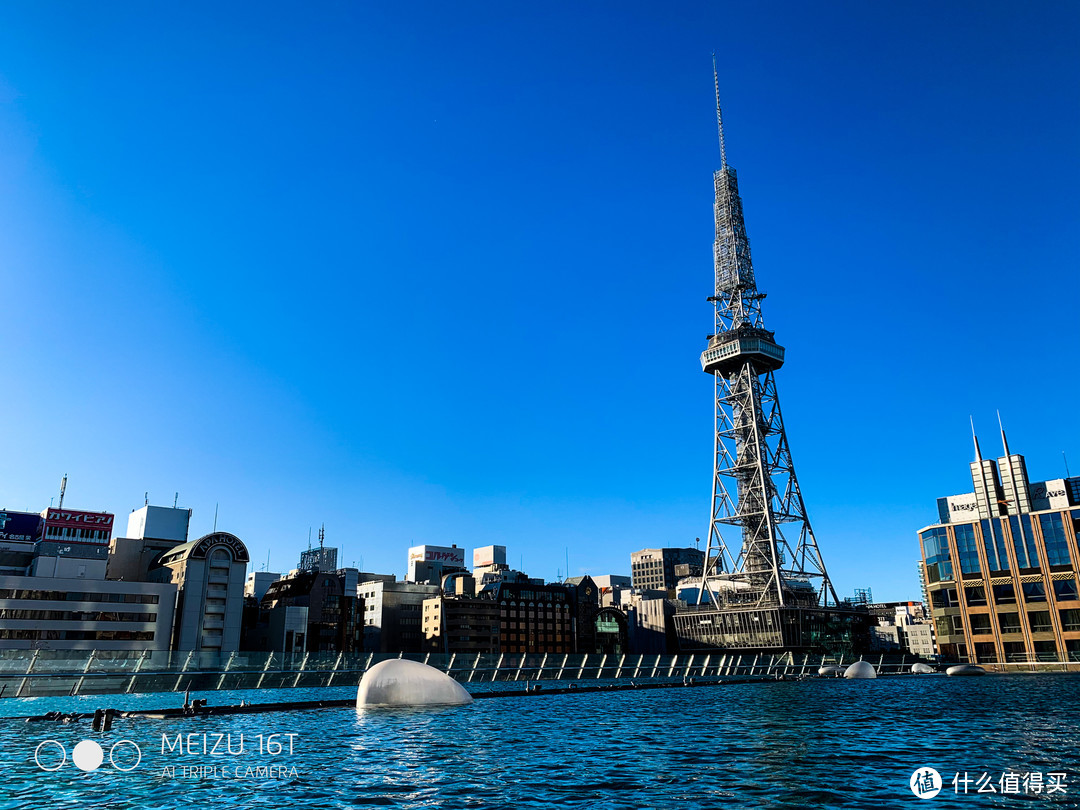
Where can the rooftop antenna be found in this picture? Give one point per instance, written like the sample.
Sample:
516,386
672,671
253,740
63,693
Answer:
267,560
146,499
215,516
175,500
63,488
309,538
567,548
978,452
1004,441
322,536
719,116
1063,458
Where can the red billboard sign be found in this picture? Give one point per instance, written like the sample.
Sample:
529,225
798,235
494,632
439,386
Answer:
74,525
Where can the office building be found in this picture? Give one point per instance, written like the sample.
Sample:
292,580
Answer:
654,569
323,558
1001,566
392,615
330,614
53,591
258,581
429,564
209,575
151,531
18,533
460,623
535,618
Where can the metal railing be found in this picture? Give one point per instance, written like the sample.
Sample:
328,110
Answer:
33,673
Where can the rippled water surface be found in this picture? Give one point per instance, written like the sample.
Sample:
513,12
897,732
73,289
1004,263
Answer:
817,743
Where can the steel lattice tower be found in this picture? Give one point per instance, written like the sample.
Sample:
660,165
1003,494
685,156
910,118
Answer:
778,563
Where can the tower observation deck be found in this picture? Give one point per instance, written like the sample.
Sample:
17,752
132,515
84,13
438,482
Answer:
768,589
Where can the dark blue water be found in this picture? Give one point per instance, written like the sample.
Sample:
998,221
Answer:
819,743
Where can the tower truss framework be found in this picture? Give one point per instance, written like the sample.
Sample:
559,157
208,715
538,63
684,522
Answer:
764,583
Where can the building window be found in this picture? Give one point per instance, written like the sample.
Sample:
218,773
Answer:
967,548
1039,621
1034,592
997,555
1004,594
1009,622
1070,620
1065,589
1053,532
975,595
946,597
1027,555
980,624
936,553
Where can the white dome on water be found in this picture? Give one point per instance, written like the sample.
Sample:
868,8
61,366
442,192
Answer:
860,670
400,682
919,668
830,671
965,669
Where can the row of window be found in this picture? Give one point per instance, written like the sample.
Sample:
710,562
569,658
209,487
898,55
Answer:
565,624
534,596
76,534
939,562
1039,621
78,635
75,615
79,596
1065,590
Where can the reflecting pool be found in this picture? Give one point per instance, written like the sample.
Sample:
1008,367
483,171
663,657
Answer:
815,743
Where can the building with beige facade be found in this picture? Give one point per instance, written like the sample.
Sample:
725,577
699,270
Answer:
1001,566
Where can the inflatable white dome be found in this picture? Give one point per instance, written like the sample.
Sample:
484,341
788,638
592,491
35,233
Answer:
965,669
860,669
399,682
919,668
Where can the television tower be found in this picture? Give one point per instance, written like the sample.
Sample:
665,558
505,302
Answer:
775,566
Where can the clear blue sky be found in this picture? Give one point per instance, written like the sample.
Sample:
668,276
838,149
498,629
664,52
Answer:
434,272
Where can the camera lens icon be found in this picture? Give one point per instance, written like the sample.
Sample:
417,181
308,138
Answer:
88,755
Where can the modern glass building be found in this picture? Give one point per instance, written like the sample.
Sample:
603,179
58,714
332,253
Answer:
1002,564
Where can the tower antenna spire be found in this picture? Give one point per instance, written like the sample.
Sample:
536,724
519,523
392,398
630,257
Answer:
974,438
1004,441
719,115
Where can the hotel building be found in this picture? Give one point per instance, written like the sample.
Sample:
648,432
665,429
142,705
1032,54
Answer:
1002,564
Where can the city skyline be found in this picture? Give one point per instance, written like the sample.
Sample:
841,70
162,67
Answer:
440,277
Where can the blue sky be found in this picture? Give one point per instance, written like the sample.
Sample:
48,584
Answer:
438,274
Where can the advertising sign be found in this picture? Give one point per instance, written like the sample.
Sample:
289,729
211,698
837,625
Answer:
1049,495
441,554
71,521
19,526
962,508
489,555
